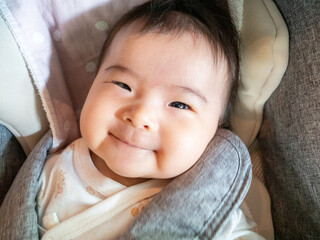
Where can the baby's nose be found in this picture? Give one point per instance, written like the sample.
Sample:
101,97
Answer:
142,117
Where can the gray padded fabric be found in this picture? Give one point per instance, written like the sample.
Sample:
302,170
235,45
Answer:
18,218
11,159
197,204
290,132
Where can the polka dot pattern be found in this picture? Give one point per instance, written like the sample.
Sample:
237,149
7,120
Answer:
56,35
66,126
101,25
91,67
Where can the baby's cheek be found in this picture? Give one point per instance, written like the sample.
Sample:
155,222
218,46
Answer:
89,132
193,147
177,158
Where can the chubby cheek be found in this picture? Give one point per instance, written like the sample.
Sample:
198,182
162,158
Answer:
92,127
182,150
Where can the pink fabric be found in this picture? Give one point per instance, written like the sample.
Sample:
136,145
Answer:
64,39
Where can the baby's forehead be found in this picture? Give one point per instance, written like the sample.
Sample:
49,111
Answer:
134,32
137,28
200,42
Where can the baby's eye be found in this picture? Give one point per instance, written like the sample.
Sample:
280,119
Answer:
122,85
180,105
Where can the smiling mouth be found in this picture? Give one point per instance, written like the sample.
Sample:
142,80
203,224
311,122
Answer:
127,143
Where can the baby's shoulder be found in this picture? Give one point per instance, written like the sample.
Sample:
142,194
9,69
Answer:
61,158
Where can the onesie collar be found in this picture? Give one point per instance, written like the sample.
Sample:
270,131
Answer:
88,173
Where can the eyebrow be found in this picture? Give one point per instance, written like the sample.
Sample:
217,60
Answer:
193,91
134,74
122,69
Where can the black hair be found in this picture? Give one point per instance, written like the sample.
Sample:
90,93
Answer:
208,18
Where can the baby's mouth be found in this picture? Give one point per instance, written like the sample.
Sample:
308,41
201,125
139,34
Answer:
127,142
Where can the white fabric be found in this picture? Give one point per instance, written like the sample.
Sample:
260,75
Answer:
75,198
76,201
240,226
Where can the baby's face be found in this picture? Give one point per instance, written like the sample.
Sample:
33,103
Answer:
154,105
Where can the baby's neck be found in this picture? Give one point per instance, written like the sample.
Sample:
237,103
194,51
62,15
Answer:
106,171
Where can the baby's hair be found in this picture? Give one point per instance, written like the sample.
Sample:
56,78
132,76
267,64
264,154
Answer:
207,18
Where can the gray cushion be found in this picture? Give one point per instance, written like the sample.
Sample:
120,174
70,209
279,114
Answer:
11,159
197,204
290,131
18,218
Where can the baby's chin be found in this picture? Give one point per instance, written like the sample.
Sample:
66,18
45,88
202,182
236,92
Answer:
154,175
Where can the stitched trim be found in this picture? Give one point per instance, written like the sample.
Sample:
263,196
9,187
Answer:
234,196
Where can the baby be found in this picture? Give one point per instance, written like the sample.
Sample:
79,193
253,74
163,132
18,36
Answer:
167,74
